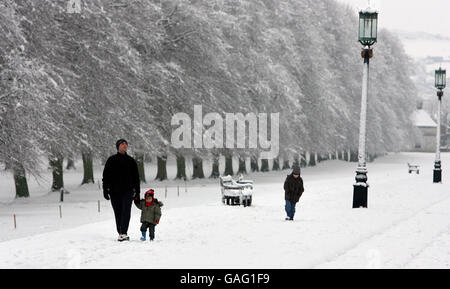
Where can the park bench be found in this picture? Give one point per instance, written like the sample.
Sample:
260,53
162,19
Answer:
413,168
236,192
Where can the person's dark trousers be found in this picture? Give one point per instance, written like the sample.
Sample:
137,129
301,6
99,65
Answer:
121,204
290,209
151,229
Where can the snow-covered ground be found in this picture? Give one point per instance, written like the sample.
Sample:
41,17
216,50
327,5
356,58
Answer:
407,224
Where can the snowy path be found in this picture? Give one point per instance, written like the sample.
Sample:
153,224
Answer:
407,225
399,243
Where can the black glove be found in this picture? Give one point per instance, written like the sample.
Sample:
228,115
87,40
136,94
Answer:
106,194
136,195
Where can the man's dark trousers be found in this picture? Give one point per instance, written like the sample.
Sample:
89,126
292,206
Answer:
290,209
121,203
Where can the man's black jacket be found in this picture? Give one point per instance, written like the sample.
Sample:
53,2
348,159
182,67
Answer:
293,188
121,175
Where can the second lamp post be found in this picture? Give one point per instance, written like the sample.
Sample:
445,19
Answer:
368,20
440,79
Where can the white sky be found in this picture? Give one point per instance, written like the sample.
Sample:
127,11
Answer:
432,16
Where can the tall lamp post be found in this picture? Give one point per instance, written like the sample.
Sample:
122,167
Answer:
440,79
368,20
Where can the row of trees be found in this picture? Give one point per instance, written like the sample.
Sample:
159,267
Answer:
74,83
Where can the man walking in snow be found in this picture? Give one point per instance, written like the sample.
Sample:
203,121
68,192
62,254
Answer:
293,190
121,184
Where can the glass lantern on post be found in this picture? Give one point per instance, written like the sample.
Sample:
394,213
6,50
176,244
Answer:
440,78
368,24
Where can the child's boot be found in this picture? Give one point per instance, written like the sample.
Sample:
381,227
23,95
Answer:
143,238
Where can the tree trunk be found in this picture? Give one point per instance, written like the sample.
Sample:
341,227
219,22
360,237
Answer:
56,163
254,164
20,181
303,162
181,168
140,163
264,165
312,159
70,164
286,165
162,170
228,165
296,161
88,170
147,158
354,157
215,167
276,164
197,163
320,158
242,169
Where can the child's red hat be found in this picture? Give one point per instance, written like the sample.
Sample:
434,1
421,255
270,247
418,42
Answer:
150,192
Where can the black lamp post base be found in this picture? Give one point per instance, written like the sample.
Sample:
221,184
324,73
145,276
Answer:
437,172
437,176
360,188
360,191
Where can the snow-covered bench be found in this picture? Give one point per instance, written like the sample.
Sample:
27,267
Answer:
236,193
413,168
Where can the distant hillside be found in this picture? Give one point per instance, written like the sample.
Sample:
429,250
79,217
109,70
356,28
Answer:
423,44
408,35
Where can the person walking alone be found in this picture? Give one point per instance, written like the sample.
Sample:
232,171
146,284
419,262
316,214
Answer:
121,184
293,190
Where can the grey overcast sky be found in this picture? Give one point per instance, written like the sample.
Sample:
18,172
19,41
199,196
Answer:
432,16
